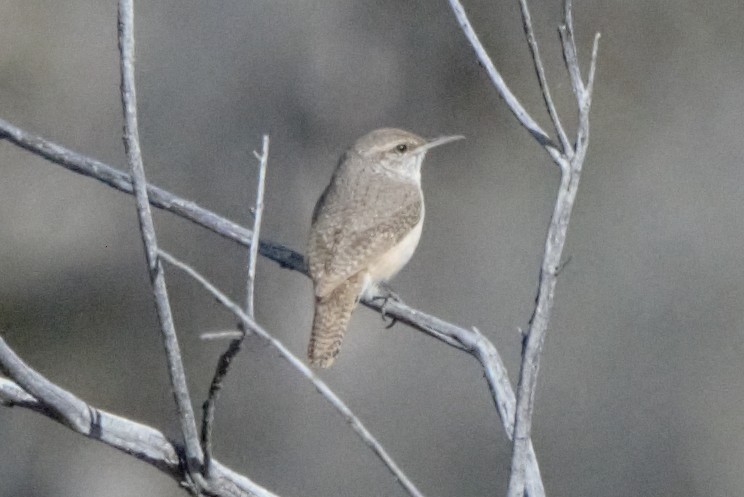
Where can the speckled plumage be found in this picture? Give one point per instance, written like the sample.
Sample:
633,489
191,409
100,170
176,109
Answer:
374,200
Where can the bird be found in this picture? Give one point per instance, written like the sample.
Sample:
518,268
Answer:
365,227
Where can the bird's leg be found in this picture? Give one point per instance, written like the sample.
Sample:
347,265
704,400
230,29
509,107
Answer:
386,294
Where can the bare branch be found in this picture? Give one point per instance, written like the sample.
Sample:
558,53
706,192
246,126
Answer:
158,197
223,364
208,408
571,166
147,228
585,102
477,345
221,335
523,466
511,101
30,390
300,366
448,333
289,259
540,71
592,69
257,218
570,56
535,338
11,395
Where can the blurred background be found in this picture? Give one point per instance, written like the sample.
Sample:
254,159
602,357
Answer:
640,389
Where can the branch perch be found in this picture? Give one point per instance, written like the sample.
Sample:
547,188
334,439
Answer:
30,390
455,336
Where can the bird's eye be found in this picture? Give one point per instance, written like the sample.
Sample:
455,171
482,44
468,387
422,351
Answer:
402,148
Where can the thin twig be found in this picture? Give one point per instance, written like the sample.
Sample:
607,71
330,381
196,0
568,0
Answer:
570,56
540,71
585,102
511,101
223,364
257,218
221,335
147,228
208,407
592,70
28,389
235,346
300,366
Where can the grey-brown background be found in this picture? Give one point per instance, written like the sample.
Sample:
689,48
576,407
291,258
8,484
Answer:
640,392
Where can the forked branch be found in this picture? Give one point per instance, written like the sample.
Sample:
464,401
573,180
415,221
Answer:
570,160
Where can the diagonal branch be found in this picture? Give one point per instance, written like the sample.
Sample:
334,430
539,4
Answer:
300,366
477,345
540,72
147,228
498,82
30,390
162,199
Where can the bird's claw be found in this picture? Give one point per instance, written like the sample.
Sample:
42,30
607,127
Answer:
389,295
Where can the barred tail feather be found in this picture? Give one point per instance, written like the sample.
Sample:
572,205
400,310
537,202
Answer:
332,315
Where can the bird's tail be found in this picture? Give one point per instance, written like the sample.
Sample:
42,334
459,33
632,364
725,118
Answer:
332,314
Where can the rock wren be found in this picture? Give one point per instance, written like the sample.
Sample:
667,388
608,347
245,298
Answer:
365,227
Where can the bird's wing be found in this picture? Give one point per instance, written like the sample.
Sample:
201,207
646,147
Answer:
377,219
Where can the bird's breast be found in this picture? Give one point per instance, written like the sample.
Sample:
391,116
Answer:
392,261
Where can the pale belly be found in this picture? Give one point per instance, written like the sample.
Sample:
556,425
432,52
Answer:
394,259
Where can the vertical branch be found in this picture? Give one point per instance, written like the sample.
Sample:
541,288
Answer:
571,165
257,218
532,349
147,228
223,364
570,160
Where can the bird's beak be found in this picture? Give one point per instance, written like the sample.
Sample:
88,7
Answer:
435,142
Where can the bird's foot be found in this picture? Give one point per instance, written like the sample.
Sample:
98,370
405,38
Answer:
387,294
